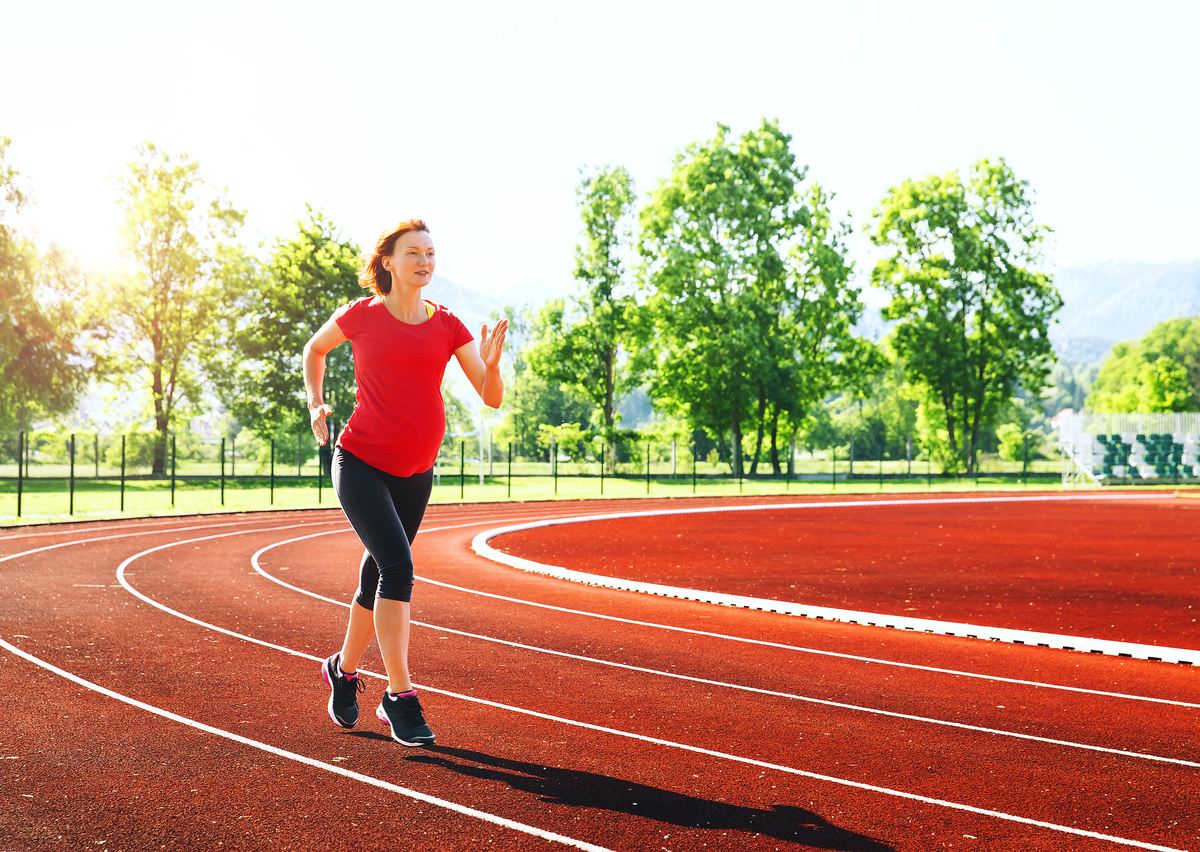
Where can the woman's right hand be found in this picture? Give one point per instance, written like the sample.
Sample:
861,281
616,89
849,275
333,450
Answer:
318,415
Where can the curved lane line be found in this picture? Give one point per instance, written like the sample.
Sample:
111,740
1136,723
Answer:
308,761
642,738
1186,656
705,633
753,689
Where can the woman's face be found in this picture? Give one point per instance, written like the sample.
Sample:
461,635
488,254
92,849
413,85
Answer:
412,260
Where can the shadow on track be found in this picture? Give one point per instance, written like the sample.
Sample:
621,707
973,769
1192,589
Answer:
589,790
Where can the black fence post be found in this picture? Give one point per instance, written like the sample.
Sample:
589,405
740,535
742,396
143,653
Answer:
122,473
462,470
172,471
272,471
510,468
603,449
72,489
20,469
222,471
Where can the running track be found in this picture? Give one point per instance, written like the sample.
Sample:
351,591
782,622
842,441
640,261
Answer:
161,686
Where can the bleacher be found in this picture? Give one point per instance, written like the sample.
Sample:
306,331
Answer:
1152,456
1128,457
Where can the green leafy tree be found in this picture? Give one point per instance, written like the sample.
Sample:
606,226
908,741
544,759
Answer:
972,312
307,277
748,304
1158,372
42,370
182,275
531,401
582,340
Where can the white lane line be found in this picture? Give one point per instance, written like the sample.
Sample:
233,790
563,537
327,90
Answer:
480,545
190,528
887,791
254,561
711,635
308,761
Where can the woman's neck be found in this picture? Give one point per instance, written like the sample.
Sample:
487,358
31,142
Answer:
406,305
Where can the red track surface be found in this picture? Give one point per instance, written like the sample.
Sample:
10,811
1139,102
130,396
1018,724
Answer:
592,716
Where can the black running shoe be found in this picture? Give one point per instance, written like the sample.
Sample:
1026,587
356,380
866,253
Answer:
403,715
343,693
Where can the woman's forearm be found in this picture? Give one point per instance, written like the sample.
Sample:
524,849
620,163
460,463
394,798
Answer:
314,376
492,391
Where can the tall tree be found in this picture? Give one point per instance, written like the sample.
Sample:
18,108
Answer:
581,341
813,347
41,365
258,374
972,310
746,287
163,311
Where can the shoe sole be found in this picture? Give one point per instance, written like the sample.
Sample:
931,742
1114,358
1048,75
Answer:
329,706
416,742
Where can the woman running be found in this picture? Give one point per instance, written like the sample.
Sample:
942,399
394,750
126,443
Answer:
383,461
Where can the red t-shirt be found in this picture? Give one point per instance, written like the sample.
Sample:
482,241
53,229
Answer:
399,417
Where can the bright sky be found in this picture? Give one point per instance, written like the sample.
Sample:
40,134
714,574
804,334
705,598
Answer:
478,115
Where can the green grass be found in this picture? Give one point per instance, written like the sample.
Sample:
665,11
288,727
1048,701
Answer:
47,500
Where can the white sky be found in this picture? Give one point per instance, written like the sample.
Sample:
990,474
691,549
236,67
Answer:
478,116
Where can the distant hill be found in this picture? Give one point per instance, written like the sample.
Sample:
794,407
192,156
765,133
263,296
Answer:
1108,302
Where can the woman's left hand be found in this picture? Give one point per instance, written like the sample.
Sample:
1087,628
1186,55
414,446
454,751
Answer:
490,348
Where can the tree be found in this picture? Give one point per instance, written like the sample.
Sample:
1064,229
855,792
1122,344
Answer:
746,284
814,348
1070,384
972,312
1158,372
163,312
42,369
529,400
581,341
259,373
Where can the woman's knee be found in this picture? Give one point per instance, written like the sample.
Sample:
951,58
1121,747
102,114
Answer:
396,582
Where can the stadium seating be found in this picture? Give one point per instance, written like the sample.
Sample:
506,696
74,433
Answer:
1153,456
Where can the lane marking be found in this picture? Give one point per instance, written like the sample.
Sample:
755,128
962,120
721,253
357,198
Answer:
95,539
254,561
480,545
641,737
726,636
308,761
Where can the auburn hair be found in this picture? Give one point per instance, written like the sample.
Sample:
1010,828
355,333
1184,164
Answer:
372,276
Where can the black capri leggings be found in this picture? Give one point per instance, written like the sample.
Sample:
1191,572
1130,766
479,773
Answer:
386,511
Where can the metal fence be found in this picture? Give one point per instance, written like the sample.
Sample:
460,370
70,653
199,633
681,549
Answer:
52,473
